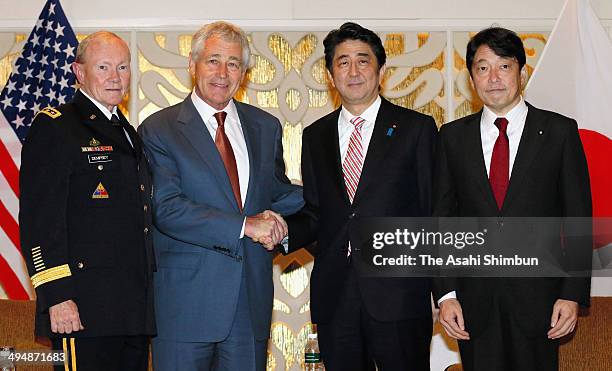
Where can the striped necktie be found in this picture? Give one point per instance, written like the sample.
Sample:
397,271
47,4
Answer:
353,161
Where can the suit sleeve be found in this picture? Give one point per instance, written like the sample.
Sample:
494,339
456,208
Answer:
444,205
176,215
44,186
303,226
287,197
576,194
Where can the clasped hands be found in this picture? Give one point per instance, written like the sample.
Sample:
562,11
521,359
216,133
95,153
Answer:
268,228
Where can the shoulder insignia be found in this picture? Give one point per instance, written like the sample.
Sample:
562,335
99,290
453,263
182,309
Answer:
51,112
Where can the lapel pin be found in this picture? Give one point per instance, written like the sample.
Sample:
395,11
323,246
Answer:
92,117
540,132
390,130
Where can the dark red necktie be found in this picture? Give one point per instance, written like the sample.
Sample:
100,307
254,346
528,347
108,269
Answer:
227,155
499,173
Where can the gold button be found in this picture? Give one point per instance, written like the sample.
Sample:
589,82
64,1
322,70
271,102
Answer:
142,187
146,230
145,207
100,167
80,265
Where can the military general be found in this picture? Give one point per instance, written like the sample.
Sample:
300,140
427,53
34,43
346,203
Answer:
85,218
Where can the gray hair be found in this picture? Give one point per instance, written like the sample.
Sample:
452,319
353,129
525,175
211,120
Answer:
84,44
226,32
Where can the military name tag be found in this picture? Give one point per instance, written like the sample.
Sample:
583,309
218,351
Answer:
93,159
97,149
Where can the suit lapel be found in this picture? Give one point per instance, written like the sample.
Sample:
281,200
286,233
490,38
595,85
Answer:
252,135
380,143
475,159
194,129
330,149
529,146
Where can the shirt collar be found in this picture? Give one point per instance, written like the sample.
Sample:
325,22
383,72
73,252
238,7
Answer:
369,114
206,111
513,115
101,107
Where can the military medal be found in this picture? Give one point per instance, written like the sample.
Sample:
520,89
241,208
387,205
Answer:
97,149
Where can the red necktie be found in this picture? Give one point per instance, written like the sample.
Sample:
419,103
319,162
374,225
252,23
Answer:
353,162
227,155
499,173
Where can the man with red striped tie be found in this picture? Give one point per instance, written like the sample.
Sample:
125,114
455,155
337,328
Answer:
369,158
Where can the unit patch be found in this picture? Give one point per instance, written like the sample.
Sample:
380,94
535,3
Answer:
100,192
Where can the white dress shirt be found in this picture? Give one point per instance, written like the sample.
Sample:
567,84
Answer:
233,130
488,135
107,113
489,132
345,128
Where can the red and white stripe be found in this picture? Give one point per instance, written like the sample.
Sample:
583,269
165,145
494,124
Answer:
353,161
13,272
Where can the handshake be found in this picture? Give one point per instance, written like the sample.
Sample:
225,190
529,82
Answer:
268,228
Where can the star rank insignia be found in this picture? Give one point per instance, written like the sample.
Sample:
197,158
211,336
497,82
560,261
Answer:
51,112
100,192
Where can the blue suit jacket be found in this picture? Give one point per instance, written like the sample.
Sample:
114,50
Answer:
200,257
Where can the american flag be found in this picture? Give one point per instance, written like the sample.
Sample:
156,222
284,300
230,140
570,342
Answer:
42,77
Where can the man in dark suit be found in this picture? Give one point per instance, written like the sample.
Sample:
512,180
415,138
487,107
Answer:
369,158
85,217
536,167
217,166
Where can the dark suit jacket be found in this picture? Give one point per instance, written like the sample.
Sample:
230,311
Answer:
95,250
395,182
201,258
549,179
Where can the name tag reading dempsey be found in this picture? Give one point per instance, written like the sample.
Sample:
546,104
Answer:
93,159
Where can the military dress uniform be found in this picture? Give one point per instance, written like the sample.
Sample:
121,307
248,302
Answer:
85,217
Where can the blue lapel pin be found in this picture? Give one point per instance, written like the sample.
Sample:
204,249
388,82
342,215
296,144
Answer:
390,130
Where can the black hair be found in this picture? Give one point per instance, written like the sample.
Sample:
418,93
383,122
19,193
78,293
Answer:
353,31
503,42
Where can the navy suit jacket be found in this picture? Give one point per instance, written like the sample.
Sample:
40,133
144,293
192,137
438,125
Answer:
201,257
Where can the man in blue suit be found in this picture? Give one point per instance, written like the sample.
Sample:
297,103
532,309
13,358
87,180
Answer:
217,172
